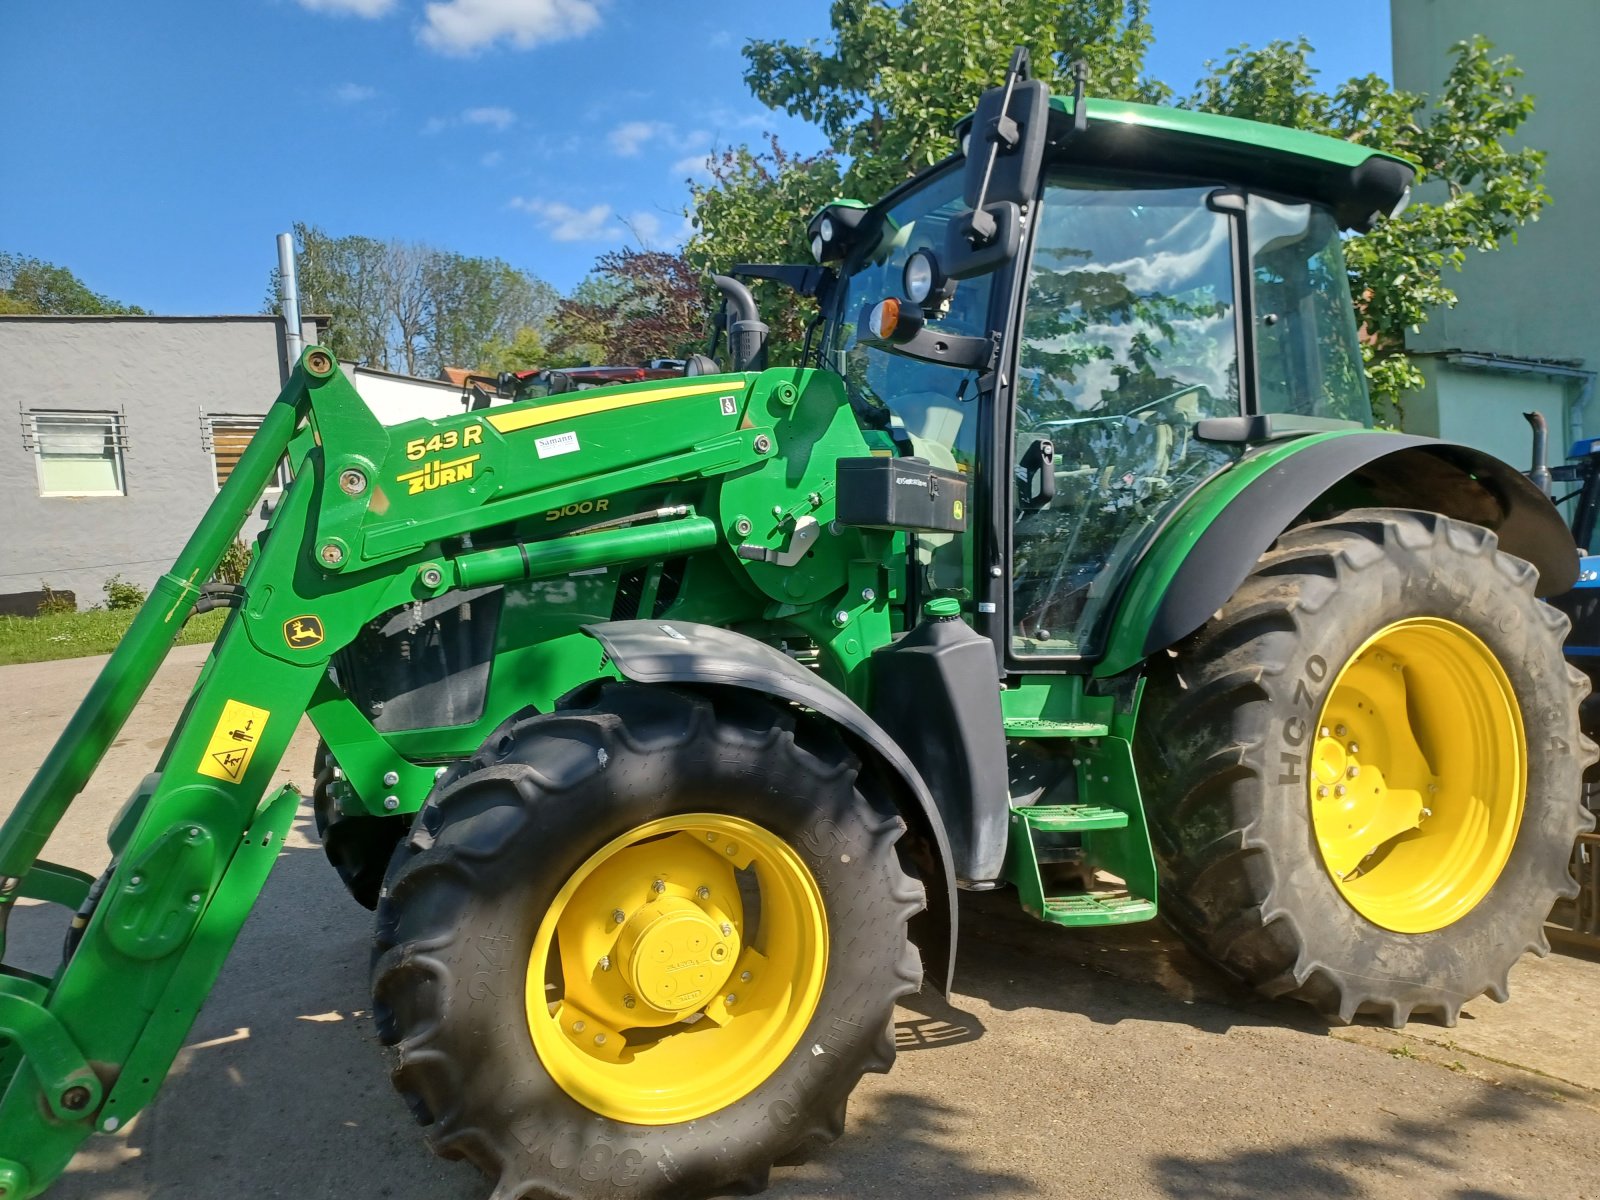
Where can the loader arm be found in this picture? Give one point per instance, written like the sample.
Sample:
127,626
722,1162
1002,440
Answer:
376,519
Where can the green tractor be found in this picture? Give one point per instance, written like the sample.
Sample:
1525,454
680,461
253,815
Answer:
663,724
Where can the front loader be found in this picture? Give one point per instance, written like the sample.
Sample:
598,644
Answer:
664,724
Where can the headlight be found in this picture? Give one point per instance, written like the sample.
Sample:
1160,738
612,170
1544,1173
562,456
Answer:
816,248
826,229
1400,205
919,276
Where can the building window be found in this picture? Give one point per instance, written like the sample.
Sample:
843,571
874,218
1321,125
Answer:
226,436
78,453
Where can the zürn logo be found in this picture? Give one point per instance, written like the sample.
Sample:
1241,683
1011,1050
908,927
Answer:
302,632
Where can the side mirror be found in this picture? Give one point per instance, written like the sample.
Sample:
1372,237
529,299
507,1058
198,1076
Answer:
1038,463
1005,156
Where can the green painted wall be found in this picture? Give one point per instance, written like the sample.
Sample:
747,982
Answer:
1536,298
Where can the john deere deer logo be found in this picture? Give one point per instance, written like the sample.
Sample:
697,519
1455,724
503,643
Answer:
302,632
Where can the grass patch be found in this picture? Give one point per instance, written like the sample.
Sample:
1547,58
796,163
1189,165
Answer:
76,634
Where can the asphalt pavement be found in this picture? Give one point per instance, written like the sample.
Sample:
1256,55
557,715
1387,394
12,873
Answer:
1105,1063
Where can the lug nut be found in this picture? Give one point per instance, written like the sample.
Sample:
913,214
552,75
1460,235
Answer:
727,930
1322,791
578,1027
703,892
711,837
605,962
744,976
628,1001
1426,813
599,1039
731,999
1352,770
658,887
1323,732
1354,749
1339,729
1339,791
618,916
732,849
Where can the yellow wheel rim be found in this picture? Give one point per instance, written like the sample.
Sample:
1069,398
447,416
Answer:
1418,775
677,969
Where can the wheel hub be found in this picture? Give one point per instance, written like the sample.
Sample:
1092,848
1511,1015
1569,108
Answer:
675,956
1418,775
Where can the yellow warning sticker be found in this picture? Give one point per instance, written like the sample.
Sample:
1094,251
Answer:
233,742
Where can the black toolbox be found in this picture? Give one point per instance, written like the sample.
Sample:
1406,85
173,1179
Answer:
901,493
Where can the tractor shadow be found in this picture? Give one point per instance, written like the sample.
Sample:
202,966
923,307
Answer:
1012,961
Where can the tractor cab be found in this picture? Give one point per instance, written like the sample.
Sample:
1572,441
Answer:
1174,292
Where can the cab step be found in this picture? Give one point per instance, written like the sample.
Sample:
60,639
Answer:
1039,727
1070,818
1097,910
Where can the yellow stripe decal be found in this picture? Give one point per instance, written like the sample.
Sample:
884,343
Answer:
527,416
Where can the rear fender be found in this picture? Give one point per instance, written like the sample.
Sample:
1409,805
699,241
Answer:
1201,556
685,652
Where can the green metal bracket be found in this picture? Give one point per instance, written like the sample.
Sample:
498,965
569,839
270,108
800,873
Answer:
13,1179
202,959
162,893
55,884
70,1086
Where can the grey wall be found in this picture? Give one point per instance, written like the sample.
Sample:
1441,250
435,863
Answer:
161,373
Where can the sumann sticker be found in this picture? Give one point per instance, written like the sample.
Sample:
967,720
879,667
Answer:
556,443
233,742
438,474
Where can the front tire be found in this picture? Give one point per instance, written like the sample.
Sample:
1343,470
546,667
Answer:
717,1027
1365,771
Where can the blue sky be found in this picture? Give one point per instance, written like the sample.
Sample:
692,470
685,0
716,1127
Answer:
156,149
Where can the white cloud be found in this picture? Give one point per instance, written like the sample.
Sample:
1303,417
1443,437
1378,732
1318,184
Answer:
567,224
492,159
499,118
353,93
349,8
691,166
463,26
719,39
652,234
627,138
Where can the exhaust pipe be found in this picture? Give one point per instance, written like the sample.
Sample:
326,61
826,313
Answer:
747,334
1540,474
289,300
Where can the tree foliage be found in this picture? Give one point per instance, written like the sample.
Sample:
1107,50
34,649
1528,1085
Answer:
404,306
894,76
754,209
636,305
31,285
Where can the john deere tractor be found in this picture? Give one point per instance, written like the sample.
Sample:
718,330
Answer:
664,724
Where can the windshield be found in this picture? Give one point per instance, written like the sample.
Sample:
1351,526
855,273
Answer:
928,409
1308,356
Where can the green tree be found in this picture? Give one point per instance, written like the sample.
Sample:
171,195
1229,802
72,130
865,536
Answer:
31,285
754,209
895,75
406,306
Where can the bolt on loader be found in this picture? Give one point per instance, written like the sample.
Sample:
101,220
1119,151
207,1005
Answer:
664,724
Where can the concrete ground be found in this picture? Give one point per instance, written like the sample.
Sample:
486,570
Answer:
1089,1065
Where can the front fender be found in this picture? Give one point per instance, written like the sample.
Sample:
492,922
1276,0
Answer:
1198,559
686,652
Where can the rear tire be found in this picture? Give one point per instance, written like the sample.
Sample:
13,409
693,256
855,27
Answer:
1236,749
546,830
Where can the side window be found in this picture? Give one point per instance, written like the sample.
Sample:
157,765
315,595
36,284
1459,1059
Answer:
1128,339
77,453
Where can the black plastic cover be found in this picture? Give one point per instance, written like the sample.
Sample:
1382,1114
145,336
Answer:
937,694
900,493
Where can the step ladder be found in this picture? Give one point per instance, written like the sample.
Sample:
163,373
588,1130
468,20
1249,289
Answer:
1108,839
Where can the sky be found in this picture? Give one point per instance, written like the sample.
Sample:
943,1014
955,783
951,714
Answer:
156,149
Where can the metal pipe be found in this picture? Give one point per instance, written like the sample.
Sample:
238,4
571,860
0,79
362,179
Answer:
537,560
289,300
